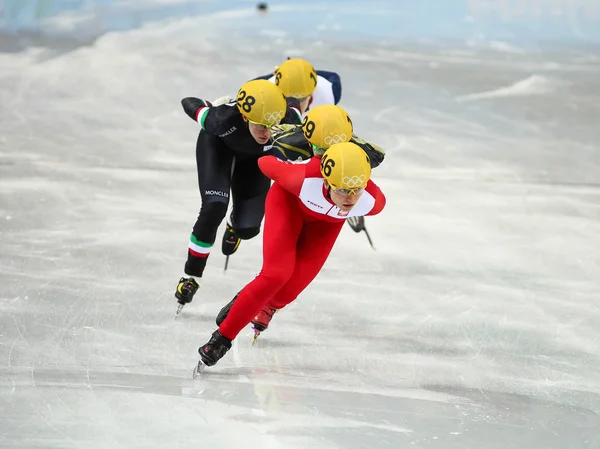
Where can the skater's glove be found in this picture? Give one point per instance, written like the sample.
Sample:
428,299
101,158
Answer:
191,105
356,223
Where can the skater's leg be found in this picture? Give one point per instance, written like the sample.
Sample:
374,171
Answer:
283,224
214,162
249,187
314,246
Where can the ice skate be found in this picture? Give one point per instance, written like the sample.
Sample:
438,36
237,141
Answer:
198,369
230,244
212,351
358,224
186,289
255,338
225,311
261,321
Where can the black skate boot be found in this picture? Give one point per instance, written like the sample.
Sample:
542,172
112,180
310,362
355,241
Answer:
225,311
261,321
214,349
231,241
186,289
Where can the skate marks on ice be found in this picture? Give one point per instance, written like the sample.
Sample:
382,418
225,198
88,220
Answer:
287,410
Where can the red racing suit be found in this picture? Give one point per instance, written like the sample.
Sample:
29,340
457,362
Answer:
301,227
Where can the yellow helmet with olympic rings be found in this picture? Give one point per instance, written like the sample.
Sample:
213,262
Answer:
346,166
261,102
327,124
296,78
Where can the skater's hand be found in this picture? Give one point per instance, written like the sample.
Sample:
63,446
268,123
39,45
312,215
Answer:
356,223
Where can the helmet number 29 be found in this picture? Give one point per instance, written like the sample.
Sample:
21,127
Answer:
309,127
249,101
327,164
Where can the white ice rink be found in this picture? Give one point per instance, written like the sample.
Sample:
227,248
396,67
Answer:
474,324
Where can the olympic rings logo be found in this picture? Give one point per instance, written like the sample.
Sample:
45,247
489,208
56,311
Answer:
338,138
298,95
273,117
353,182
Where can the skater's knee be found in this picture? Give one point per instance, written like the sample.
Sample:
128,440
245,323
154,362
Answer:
278,275
247,233
280,301
212,213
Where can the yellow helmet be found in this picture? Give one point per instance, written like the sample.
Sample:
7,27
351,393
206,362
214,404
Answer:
346,166
327,124
296,78
261,102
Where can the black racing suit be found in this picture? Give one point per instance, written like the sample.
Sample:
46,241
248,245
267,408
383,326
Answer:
290,144
226,158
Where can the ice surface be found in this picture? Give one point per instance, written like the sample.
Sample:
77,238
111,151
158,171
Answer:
475,324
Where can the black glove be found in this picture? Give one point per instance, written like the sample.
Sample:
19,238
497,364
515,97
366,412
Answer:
356,223
192,104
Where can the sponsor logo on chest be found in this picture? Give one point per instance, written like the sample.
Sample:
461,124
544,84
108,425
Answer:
314,204
229,131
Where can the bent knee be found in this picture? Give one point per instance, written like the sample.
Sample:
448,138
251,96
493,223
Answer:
247,233
210,217
213,212
278,275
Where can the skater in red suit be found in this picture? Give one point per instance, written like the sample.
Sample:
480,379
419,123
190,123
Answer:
306,209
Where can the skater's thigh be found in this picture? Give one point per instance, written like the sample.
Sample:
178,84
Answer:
283,225
249,187
214,161
314,246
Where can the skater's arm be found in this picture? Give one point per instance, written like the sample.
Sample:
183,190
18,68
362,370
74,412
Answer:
380,200
195,107
375,152
289,143
336,84
293,116
289,175
215,120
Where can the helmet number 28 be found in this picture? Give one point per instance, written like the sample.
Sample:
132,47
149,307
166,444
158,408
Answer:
249,101
327,164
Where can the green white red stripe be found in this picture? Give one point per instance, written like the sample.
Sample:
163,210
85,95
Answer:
198,248
201,115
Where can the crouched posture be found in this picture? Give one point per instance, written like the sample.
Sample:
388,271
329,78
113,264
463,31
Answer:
305,211
232,138
321,126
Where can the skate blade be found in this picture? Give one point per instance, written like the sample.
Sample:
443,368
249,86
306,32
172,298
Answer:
198,369
256,335
226,264
369,238
179,307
